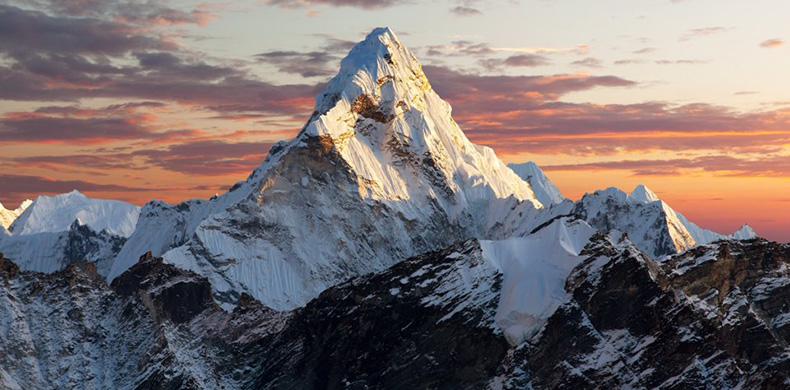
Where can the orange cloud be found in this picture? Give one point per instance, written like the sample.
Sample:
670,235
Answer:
772,43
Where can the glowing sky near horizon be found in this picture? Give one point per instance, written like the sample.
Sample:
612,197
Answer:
138,99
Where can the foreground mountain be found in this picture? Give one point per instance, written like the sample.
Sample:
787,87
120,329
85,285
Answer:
380,172
713,317
55,231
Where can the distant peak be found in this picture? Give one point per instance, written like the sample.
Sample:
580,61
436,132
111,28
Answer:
546,192
744,233
642,194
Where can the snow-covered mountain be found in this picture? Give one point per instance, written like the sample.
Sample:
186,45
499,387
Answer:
650,223
545,191
380,172
49,214
380,248
7,217
54,231
610,316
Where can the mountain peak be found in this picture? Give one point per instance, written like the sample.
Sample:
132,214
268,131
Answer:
379,79
642,194
546,192
75,192
380,44
744,233
57,213
7,217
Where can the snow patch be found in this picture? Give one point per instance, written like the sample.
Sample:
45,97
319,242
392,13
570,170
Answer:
535,269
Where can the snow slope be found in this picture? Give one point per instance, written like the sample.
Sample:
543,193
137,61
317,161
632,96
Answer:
380,172
7,217
535,268
545,191
54,231
48,214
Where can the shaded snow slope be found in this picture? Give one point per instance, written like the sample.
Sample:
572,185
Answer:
535,268
545,191
49,214
52,251
380,172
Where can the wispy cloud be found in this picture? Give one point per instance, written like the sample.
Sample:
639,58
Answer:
773,166
514,61
465,11
363,4
702,32
580,48
588,62
772,43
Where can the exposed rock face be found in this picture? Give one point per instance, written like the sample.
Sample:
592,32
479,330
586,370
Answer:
639,324
416,325
713,317
168,293
159,330
8,268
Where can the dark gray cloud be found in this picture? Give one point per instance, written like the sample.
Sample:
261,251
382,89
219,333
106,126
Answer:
645,50
774,166
26,31
461,48
516,60
323,61
465,11
306,64
455,85
680,62
139,12
76,125
17,188
363,4
208,158
589,62
629,62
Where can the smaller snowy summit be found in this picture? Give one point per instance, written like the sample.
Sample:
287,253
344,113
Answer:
545,191
49,214
642,194
7,217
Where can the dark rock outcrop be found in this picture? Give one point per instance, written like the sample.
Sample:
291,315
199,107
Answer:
168,292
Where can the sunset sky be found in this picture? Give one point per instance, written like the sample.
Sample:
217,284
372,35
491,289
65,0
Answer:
135,100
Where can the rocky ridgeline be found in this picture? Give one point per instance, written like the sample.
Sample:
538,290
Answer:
712,317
